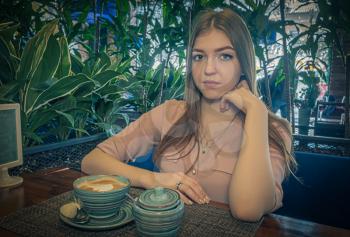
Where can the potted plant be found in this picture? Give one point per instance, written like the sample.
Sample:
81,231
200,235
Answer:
306,97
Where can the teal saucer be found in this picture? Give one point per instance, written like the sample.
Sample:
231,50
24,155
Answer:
125,216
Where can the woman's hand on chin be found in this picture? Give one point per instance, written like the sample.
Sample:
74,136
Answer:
242,98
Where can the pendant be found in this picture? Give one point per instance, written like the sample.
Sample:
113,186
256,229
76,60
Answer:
194,172
204,150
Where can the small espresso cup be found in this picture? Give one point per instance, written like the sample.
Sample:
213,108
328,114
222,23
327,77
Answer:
101,196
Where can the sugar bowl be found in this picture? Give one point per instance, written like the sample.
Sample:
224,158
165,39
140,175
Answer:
158,212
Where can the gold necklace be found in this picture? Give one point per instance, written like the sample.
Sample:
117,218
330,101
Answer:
204,146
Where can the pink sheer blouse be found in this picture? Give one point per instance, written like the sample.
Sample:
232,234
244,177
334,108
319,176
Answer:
213,168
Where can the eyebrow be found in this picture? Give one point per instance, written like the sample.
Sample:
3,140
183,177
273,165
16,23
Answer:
216,50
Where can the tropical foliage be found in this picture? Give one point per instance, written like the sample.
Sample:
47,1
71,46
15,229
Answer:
79,67
54,99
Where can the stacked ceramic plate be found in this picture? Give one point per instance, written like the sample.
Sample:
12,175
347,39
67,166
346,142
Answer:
158,212
101,196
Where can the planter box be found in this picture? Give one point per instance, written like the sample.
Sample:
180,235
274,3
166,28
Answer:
63,154
69,154
70,142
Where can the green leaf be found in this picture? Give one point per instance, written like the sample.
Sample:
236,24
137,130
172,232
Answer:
125,116
64,104
110,90
6,101
40,118
80,130
123,9
43,73
31,135
8,70
85,90
69,117
121,65
9,90
34,51
103,78
97,64
64,66
60,88
77,65
8,29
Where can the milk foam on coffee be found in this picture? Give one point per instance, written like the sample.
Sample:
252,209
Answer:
102,185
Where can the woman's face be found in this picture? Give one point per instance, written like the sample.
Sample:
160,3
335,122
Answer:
215,66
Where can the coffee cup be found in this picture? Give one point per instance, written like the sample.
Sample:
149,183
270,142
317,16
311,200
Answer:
101,196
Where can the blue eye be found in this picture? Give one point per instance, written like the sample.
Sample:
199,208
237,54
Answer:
197,57
226,57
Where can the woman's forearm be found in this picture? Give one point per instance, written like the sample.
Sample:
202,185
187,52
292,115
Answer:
98,162
252,190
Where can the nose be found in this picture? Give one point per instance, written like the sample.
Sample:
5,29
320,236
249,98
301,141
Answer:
210,67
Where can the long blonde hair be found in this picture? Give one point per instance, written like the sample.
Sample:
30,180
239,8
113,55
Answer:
236,30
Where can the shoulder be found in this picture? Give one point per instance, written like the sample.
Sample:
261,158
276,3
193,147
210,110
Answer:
175,104
168,107
174,107
171,112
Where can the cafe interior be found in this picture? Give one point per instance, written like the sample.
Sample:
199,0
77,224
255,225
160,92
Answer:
73,73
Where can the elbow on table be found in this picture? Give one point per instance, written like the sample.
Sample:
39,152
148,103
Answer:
86,163
246,214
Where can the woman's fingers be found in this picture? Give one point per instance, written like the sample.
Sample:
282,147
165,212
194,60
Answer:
185,199
190,193
224,105
197,189
233,97
192,189
184,184
237,97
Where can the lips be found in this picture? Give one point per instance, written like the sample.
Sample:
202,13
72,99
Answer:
211,84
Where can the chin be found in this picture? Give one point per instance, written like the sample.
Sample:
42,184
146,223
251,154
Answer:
212,97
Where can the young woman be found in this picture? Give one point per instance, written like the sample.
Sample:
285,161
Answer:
221,142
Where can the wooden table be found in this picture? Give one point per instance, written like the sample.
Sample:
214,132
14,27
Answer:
40,186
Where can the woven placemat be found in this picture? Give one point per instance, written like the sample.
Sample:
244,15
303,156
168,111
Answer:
200,220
